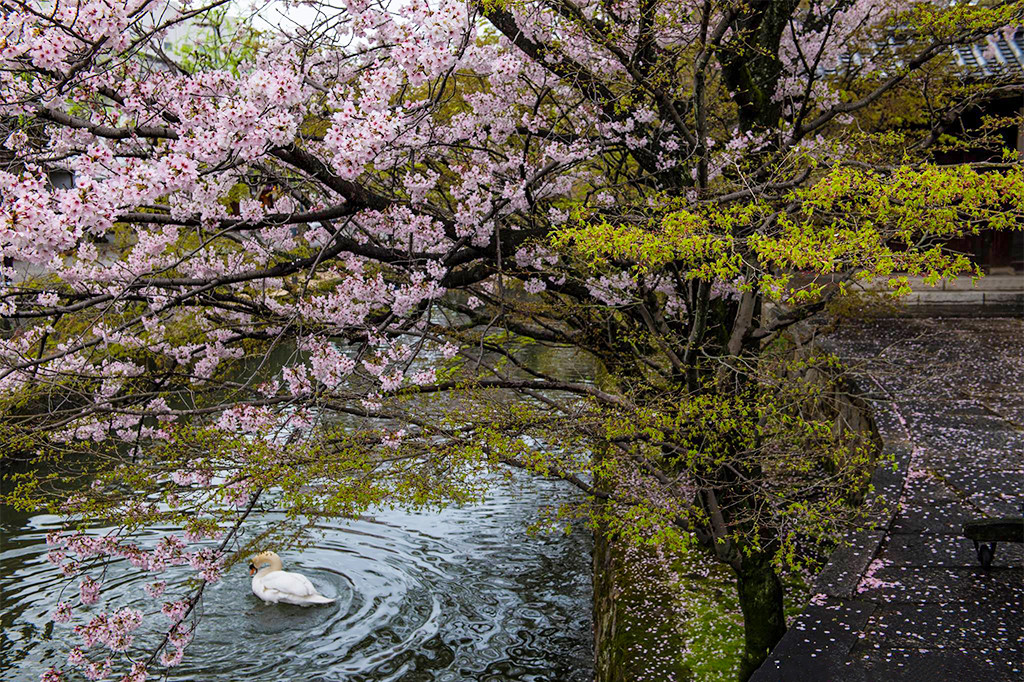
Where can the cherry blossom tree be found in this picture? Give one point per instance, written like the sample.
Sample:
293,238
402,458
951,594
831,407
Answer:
305,268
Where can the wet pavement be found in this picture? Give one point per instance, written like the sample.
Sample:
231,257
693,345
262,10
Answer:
908,599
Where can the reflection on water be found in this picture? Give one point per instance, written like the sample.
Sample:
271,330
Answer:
462,594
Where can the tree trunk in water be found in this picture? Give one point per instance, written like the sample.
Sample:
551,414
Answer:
761,599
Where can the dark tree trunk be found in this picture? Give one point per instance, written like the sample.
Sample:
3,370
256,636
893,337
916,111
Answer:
761,599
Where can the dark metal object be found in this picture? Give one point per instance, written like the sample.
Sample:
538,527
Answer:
986,533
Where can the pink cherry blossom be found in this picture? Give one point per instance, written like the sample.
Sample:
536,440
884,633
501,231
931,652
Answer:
88,590
62,614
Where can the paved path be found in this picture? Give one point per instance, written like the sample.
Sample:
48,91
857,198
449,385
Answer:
909,601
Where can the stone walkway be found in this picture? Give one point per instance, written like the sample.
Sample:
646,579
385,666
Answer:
909,601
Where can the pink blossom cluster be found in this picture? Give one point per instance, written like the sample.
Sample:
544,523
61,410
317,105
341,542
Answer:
207,563
88,590
114,630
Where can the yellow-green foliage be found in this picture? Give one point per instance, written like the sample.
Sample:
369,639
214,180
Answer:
850,221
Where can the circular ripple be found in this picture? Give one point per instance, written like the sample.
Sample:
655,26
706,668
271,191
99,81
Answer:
455,595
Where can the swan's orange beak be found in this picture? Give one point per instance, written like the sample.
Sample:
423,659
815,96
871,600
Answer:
252,569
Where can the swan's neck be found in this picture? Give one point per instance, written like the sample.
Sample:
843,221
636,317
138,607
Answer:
274,564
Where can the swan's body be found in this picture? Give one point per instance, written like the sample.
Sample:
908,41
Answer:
275,586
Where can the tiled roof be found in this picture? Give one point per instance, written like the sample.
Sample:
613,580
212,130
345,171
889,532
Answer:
1001,54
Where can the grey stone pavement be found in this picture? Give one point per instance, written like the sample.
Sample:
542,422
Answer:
908,600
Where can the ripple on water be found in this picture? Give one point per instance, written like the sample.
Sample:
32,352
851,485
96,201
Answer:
462,594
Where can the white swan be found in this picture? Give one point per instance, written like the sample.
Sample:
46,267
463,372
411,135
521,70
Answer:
273,585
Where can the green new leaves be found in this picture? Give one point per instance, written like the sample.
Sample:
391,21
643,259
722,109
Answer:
850,223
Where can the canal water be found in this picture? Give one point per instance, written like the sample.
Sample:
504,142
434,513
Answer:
461,594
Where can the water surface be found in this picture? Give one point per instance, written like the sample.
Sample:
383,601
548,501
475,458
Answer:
460,594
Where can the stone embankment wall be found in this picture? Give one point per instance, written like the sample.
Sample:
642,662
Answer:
638,633
639,629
